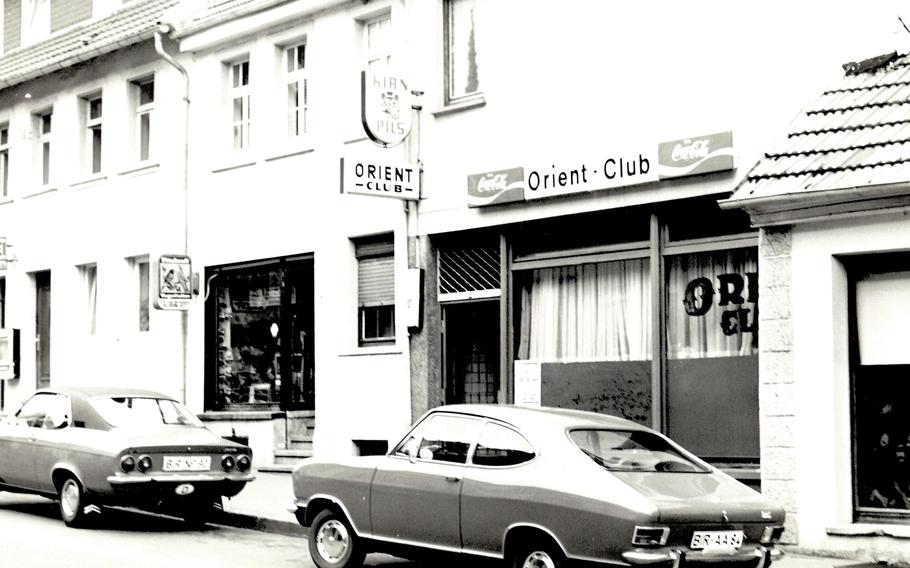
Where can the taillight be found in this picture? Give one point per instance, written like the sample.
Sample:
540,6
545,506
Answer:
144,464
243,463
650,536
127,464
772,534
227,462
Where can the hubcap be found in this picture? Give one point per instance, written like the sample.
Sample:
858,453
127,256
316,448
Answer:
332,541
538,559
69,498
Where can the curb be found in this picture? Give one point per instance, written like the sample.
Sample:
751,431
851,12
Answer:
261,524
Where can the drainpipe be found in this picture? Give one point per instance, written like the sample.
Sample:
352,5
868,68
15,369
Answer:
184,316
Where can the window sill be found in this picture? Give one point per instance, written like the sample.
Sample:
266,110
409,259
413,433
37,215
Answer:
289,152
374,350
89,182
140,168
870,529
42,191
460,106
356,140
234,163
5,200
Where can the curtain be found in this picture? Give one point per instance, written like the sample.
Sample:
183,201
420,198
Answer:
712,304
589,312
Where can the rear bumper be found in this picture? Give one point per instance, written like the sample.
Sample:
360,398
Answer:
157,486
758,556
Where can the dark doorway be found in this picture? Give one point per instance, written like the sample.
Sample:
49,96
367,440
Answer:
472,352
43,328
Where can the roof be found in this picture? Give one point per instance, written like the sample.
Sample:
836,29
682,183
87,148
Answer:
106,391
524,415
852,144
134,23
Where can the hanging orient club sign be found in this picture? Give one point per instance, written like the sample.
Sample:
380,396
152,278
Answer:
385,108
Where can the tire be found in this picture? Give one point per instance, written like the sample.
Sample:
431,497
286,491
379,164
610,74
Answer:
333,543
73,501
543,554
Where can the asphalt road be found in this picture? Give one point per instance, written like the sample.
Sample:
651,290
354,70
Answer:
32,535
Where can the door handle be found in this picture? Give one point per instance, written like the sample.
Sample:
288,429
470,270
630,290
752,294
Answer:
453,478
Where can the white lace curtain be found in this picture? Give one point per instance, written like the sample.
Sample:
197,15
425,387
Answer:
589,312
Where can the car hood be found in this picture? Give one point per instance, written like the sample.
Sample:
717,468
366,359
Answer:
700,497
186,437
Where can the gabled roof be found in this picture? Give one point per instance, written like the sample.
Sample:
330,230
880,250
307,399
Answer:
851,145
134,23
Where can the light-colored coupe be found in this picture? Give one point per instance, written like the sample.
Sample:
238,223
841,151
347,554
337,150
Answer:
536,487
89,447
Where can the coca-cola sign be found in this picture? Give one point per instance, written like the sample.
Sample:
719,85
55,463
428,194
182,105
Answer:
493,188
695,156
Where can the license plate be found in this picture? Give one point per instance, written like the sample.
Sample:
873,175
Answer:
716,539
187,463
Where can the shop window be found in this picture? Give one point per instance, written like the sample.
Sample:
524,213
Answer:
239,99
297,86
462,74
375,289
712,353
880,361
262,334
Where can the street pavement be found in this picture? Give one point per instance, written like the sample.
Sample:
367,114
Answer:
263,505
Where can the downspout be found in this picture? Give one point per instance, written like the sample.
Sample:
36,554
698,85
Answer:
184,316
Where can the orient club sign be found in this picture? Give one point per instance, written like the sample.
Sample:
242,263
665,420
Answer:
385,104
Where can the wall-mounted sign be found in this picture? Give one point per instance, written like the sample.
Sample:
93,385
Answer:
174,274
695,156
527,383
385,108
493,188
400,180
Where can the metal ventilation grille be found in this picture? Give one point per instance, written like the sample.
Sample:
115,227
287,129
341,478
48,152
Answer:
468,273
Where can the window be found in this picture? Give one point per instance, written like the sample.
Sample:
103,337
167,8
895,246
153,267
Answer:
142,271
501,446
143,412
239,95
144,104
376,289
377,42
297,90
4,160
92,144
880,362
633,450
42,136
42,281
45,410
89,274
462,78
441,438
36,20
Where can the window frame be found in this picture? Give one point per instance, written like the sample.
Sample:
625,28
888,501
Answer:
43,128
450,97
535,453
144,112
89,275
238,71
94,133
296,76
378,248
373,56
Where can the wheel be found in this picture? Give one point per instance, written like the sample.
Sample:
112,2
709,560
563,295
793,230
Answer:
72,503
333,543
538,555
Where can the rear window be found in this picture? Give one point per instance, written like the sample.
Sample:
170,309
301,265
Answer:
633,450
139,412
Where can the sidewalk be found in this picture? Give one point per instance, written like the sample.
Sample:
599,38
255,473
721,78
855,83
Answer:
263,505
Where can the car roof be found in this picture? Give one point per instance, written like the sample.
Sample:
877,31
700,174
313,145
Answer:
528,417
105,391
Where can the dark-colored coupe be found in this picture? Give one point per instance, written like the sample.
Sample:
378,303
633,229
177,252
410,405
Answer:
96,446
538,487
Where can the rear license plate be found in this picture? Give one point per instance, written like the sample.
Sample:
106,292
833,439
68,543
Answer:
706,540
187,463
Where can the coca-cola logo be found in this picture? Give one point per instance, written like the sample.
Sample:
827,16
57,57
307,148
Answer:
691,150
491,183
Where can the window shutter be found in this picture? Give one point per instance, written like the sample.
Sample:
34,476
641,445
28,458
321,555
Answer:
376,281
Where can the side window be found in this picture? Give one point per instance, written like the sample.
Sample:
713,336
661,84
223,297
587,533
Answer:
45,410
501,446
441,437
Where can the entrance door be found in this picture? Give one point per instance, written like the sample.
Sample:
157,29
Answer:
472,352
43,328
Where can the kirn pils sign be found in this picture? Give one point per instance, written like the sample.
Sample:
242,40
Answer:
385,108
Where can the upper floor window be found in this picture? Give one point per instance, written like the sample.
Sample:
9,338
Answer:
377,43
376,289
89,273
239,95
42,135
297,90
143,99
462,77
4,160
92,144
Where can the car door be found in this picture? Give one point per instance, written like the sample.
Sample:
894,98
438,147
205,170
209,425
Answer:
48,440
18,440
417,488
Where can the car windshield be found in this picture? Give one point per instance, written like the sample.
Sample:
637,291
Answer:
633,450
138,412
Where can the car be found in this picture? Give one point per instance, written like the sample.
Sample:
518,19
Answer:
535,487
90,447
